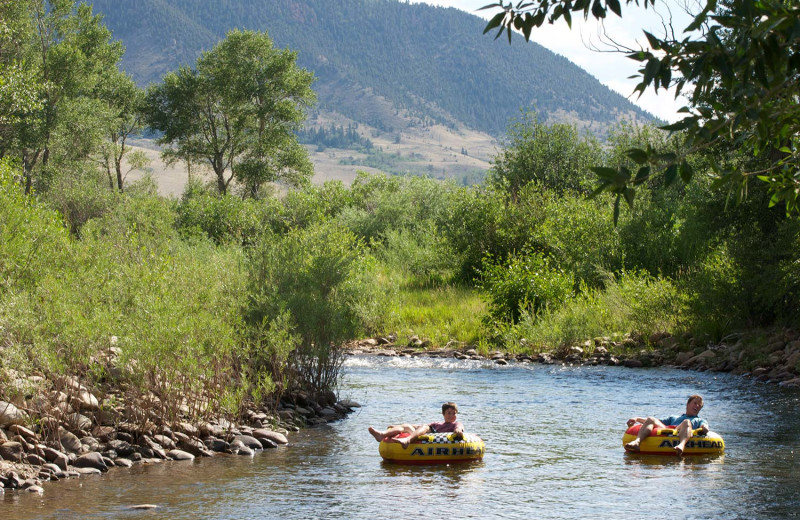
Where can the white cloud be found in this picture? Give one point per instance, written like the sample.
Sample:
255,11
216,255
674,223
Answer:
610,68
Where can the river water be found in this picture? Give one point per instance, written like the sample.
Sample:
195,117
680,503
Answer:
553,451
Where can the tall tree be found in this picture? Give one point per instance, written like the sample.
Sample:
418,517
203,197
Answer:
63,50
741,61
555,156
237,112
123,102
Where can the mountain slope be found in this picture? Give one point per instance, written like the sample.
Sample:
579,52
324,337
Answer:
383,63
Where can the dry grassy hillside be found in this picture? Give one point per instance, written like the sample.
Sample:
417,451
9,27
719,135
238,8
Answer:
434,149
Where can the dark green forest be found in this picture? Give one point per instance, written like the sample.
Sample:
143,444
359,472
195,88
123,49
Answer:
432,61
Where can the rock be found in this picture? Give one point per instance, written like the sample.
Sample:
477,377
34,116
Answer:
238,447
247,440
277,438
633,363
56,457
193,446
143,506
35,489
267,444
76,421
90,444
217,445
123,462
165,441
87,471
52,468
12,451
34,460
10,414
91,460
23,432
104,433
683,357
500,362
180,455
703,357
121,447
349,403
87,401
69,441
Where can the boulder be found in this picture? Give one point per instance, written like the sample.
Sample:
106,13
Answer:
277,438
69,441
12,451
10,414
56,457
249,441
180,455
91,460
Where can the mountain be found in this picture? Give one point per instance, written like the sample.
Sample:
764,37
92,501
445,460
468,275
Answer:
394,67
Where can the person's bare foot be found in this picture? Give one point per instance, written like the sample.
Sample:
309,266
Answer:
375,433
678,450
633,446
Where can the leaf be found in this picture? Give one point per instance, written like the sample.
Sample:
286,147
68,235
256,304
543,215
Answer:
629,193
654,42
494,22
608,174
642,175
686,171
615,7
671,174
637,155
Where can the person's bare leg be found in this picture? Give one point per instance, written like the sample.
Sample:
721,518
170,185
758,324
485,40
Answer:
647,428
684,434
421,430
391,431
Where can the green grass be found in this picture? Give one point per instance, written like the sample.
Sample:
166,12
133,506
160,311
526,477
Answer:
439,314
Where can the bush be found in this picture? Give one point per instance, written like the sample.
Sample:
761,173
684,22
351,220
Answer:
527,283
225,219
324,278
633,303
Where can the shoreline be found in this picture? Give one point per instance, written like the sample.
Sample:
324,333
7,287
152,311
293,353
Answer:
72,447
86,439
772,357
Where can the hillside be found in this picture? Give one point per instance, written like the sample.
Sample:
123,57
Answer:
395,70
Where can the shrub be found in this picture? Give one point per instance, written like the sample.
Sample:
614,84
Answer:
324,278
529,282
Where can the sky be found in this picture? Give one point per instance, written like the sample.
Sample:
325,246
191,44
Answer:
611,69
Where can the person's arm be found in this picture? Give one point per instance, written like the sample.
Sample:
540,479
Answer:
634,420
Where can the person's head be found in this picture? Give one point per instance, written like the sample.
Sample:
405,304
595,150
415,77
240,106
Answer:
449,411
694,405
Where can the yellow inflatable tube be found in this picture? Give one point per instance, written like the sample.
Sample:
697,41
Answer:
662,441
437,448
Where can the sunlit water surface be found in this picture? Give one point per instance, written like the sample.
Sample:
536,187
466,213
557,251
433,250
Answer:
553,450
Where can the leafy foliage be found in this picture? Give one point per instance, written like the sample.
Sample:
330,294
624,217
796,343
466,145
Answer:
739,58
529,282
236,112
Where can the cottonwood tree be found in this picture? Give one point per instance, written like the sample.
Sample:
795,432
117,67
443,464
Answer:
739,60
122,119
236,111
61,51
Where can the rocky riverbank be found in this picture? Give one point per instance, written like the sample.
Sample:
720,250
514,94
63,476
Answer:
770,357
81,435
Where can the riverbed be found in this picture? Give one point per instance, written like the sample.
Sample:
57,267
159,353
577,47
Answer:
553,451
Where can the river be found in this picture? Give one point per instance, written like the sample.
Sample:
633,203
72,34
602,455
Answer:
553,451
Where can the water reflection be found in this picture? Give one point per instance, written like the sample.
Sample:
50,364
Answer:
553,451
